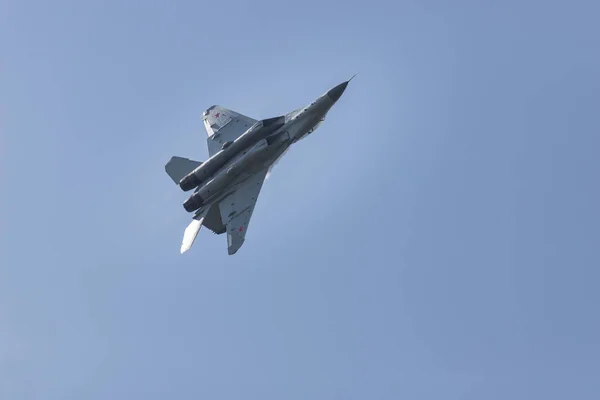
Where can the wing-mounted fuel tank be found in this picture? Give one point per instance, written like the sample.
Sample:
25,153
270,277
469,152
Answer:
254,134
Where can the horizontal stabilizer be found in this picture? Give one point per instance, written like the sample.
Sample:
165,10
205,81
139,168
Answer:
178,167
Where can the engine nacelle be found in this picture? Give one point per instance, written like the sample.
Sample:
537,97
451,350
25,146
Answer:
208,191
193,203
255,156
190,182
255,133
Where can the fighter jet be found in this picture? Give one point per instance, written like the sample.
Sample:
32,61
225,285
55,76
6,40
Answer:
242,152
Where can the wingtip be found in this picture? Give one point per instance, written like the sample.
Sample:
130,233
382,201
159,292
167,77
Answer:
231,250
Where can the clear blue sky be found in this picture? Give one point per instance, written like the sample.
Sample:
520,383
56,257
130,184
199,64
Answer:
438,237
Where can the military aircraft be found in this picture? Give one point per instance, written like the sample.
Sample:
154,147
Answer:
242,152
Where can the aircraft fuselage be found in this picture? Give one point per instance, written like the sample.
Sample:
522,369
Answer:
259,147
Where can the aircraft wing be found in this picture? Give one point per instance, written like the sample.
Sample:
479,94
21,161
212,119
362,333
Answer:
223,125
236,210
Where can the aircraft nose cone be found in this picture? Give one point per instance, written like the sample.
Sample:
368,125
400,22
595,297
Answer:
335,93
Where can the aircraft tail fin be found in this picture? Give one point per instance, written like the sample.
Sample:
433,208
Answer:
178,167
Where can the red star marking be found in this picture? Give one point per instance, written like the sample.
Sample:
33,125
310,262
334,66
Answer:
241,228
217,115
